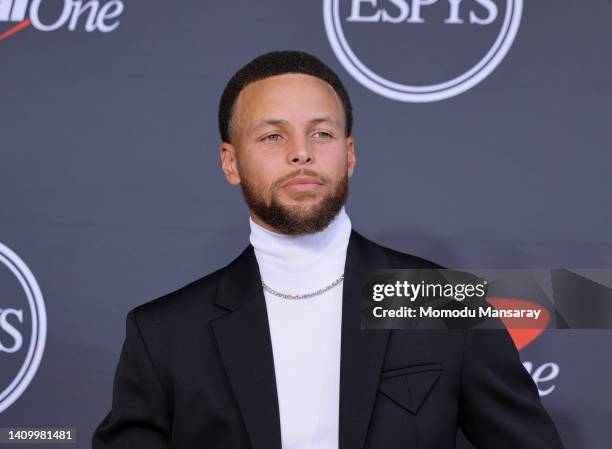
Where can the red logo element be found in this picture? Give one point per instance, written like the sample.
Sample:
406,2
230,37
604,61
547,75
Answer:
522,330
20,26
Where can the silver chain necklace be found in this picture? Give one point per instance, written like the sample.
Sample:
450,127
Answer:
307,295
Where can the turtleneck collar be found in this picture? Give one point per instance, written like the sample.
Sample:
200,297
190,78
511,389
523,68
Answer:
302,263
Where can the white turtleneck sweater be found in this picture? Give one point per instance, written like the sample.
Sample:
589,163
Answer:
306,332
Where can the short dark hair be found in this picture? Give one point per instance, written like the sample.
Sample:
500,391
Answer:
278,63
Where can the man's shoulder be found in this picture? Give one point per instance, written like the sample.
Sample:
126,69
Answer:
405,260
399,259
177,305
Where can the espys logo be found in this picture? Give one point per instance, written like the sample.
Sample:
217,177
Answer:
70,14
421,50
23,327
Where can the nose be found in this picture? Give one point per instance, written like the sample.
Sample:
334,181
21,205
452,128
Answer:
300,152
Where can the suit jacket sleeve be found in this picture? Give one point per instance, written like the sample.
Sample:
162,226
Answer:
140,416
500,407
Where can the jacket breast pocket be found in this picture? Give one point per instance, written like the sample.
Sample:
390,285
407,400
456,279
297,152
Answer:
409,386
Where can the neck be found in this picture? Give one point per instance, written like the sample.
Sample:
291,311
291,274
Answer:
304,262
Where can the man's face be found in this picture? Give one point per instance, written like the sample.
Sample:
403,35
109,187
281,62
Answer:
288,127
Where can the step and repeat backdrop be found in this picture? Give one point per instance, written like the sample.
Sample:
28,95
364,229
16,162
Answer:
483,139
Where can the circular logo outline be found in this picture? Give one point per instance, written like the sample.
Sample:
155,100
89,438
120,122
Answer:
421,94
39,327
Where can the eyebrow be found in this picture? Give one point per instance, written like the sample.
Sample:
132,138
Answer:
277,121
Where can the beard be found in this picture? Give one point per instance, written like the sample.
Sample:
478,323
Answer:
299,219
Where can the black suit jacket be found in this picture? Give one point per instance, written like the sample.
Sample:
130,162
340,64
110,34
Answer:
196,371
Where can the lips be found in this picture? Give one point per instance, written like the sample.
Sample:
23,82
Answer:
302,183
302,180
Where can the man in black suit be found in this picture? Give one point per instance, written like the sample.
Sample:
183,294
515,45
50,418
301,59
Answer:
267,352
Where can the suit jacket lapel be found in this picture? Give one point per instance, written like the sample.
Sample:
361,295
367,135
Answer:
243,339
362,351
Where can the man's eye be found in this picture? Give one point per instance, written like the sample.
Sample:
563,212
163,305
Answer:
276,137
324,134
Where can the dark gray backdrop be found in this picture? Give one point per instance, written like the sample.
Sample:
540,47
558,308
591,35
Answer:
111,191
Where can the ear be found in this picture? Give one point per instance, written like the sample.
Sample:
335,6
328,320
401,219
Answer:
229,163
351,158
